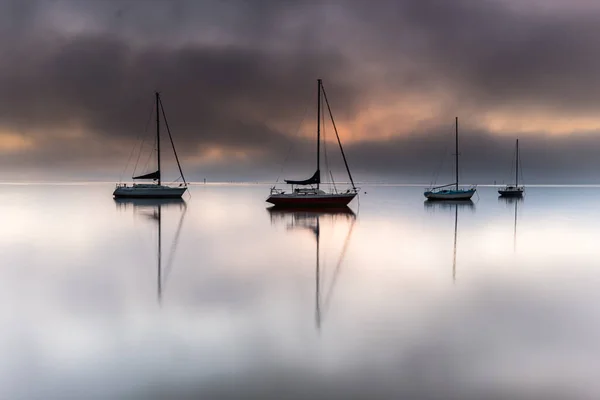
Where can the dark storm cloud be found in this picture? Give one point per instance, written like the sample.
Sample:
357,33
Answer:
488,51
226,94
485,158
238,76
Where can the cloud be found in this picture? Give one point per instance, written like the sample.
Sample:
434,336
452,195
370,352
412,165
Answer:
77,78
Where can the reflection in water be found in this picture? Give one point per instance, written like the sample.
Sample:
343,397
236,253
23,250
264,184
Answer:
515,201
152,208
455,236
79,313
310,219
448,205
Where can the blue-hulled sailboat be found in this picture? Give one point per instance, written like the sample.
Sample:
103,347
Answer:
451,191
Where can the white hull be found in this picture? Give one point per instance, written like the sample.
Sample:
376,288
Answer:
149,192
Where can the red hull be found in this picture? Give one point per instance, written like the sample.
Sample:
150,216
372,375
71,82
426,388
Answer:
311,201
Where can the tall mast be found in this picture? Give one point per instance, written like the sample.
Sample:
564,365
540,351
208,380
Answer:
318,127
456,153
158,133
517,169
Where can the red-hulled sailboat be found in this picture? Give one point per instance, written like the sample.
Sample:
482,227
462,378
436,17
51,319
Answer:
307,193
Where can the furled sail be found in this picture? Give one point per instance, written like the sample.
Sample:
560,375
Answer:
314,180
152,175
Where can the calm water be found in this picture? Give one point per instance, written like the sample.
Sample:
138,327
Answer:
397,307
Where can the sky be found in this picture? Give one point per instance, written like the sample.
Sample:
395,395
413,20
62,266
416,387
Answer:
238,83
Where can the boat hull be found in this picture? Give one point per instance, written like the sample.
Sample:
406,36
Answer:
450,195
311,200
148,192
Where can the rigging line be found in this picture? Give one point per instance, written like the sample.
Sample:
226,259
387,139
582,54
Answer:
324,141
171,139
338,137
333,182
521,167
137,140
150,156
512,164
436,173
289,151
144,138
337,267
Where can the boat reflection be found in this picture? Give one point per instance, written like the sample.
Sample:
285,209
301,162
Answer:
152,209
311,220
512,201
449,204
125,203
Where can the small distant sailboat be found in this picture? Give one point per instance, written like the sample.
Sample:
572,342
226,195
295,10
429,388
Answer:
154,190
445,192
514,190
310,194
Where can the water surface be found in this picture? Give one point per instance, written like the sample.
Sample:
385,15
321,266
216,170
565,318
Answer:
397,299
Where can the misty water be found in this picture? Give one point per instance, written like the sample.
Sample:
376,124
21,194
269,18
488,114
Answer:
498,299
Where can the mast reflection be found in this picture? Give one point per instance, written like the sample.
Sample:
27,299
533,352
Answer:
449,205
152,209
515,201
311,219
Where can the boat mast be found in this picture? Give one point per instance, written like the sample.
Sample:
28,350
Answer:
158,132
456,153
318,129
517,169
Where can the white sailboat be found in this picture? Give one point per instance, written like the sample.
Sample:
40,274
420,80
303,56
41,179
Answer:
448,192
515,190
154,190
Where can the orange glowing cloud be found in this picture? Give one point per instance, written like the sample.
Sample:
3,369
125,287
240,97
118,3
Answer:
526,121
12,143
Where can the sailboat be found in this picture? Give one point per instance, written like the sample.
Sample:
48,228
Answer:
307,192
446,192
154,190
514,190
311,219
